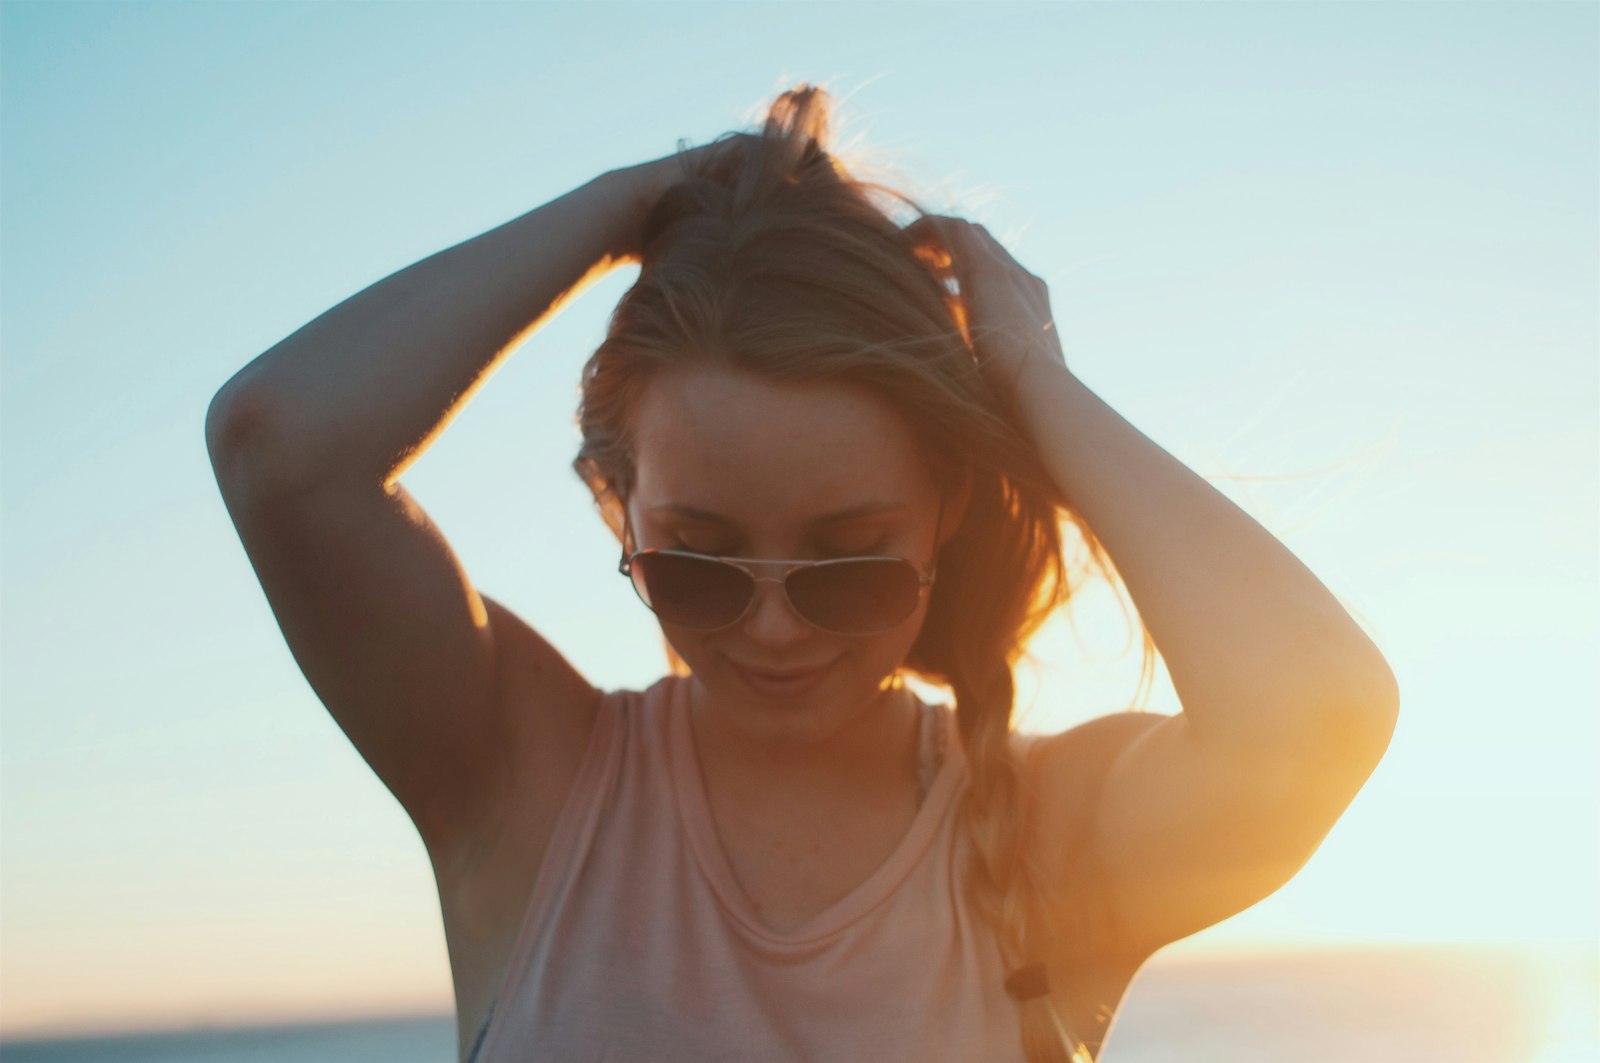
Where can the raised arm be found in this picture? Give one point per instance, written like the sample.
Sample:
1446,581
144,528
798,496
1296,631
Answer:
447,695
358,393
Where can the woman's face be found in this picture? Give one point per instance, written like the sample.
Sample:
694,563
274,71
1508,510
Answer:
763,464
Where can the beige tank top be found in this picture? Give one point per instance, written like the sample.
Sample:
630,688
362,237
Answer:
638,943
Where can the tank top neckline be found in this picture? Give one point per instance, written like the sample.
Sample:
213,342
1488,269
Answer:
689,786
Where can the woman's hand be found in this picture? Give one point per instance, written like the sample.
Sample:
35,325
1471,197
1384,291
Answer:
642,185
1008,308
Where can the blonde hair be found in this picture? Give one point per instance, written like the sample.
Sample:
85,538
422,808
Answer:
770,257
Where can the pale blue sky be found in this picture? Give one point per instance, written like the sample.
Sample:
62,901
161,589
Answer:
1338,258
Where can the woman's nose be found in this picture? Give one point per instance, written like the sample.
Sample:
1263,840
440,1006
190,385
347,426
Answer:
771,615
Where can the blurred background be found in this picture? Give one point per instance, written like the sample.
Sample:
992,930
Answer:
1339,258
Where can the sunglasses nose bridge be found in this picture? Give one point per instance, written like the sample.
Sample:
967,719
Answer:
782,594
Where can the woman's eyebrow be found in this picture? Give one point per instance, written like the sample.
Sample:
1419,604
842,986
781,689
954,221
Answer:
863,510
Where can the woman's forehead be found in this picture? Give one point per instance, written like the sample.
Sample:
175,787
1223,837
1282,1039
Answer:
672,489
820,445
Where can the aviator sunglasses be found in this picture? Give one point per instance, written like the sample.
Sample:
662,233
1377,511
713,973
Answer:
847,595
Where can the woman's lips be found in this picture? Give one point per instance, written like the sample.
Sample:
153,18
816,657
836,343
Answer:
782,685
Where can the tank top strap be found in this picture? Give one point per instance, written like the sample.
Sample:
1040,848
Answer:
930,748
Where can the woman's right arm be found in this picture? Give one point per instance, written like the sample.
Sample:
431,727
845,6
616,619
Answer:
361,391
448,696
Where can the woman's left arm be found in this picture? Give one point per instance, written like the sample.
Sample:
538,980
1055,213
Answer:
1148,831
1260,652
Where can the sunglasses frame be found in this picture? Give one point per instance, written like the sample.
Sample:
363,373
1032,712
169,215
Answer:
925,578
925,575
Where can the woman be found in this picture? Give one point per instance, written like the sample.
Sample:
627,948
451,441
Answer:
777,851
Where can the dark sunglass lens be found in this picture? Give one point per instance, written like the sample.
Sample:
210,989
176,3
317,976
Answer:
691,591
855,596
